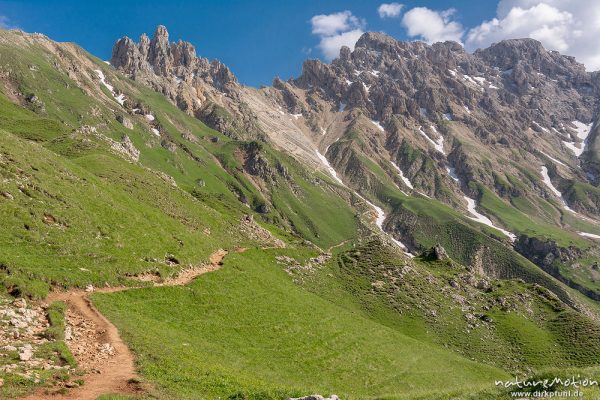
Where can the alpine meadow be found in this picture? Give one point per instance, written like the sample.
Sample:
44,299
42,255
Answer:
410,220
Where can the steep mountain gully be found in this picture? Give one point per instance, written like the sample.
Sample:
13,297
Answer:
99,350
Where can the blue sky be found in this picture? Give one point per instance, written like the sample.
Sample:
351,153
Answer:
258,40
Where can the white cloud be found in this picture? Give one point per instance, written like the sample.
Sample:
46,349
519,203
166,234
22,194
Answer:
337,30
333,24
331,45
569,26
432,26
389,10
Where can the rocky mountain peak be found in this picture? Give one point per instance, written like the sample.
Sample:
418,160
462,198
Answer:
184,53
507,54
389,76
167,59
418,94
161,32
195,84
345,53
376,41
159,55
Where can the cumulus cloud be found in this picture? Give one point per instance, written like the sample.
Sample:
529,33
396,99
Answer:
332,24
569,26
337,30
331,45
432,26
389,10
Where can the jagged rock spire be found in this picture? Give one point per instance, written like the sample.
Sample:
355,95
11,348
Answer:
166,59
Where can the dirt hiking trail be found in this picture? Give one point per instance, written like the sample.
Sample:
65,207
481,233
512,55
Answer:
108,365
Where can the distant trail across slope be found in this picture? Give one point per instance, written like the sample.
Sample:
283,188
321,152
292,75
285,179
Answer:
114,371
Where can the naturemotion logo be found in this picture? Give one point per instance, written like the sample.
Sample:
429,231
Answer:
547,387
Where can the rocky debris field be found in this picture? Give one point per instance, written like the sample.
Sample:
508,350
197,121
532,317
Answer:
299,271
256,232
32,354
23,341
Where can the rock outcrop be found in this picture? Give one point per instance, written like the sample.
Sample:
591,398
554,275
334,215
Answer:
23,332
194,84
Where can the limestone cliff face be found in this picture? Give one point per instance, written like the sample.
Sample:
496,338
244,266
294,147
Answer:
206,89
416,80
176,60
494,114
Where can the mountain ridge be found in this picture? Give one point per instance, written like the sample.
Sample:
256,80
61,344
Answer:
413,213
400,99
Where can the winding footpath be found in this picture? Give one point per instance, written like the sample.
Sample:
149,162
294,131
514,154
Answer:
115,373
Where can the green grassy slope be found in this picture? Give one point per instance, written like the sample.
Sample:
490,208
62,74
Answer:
422,222
509,324
64,225
466,241
264,337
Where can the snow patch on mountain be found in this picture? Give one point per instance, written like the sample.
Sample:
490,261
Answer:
378,125
438,145
379,219
119,98
330,169
103,80
469,79
589,235
406,181
553,159
576,148
582,131
553,189
471,206
540,126
452,173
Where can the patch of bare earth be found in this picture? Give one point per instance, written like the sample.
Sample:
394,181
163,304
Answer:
107,363
186,275
101,354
